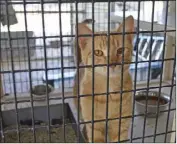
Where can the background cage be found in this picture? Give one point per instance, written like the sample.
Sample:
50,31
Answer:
43,39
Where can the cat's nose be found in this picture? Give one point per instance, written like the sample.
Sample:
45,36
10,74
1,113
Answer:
113,64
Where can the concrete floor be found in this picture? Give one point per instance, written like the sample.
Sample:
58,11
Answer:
138,121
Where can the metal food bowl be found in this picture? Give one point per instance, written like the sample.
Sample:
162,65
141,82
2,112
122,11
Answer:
152,103
40,90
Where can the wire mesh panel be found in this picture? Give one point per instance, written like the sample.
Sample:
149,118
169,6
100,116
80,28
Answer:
87,71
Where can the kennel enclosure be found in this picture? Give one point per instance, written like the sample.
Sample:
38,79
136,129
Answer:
37,48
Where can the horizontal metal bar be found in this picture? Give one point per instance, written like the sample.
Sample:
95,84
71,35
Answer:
72,1
95,34
143,24
48,12
56,126
86,95
59,126
86,122
85,66
36,128
148,136
124,117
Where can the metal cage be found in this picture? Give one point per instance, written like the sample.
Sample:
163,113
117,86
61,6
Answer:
38,68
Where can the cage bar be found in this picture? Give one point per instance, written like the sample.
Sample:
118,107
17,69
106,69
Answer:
163,54
149,68
107,86
56,63
13,76
29,65
77,68
62,72
73,1
171,91
135,80
46,71
122,69
93,72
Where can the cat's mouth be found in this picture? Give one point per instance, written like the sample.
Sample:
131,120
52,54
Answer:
113,71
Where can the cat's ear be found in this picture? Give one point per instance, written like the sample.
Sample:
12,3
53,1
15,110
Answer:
83,30
129,27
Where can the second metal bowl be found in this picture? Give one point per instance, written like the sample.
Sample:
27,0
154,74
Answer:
152,102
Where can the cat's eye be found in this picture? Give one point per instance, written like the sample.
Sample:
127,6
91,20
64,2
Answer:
119,51
98,53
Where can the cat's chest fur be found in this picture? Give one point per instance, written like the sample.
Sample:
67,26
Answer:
101,87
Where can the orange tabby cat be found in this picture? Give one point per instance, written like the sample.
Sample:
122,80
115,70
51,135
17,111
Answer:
100,82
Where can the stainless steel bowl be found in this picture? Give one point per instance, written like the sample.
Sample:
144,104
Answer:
152,103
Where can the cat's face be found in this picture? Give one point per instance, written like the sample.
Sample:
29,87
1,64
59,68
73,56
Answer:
100,49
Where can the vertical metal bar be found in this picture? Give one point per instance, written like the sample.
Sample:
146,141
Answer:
169,106
93,74
1,125
149,68
72,24
175,140
46,71
1,87
62,69
122,69
29,68
21,89
136,65
13,73
77,67
112,9
71,18
108,56
161,74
